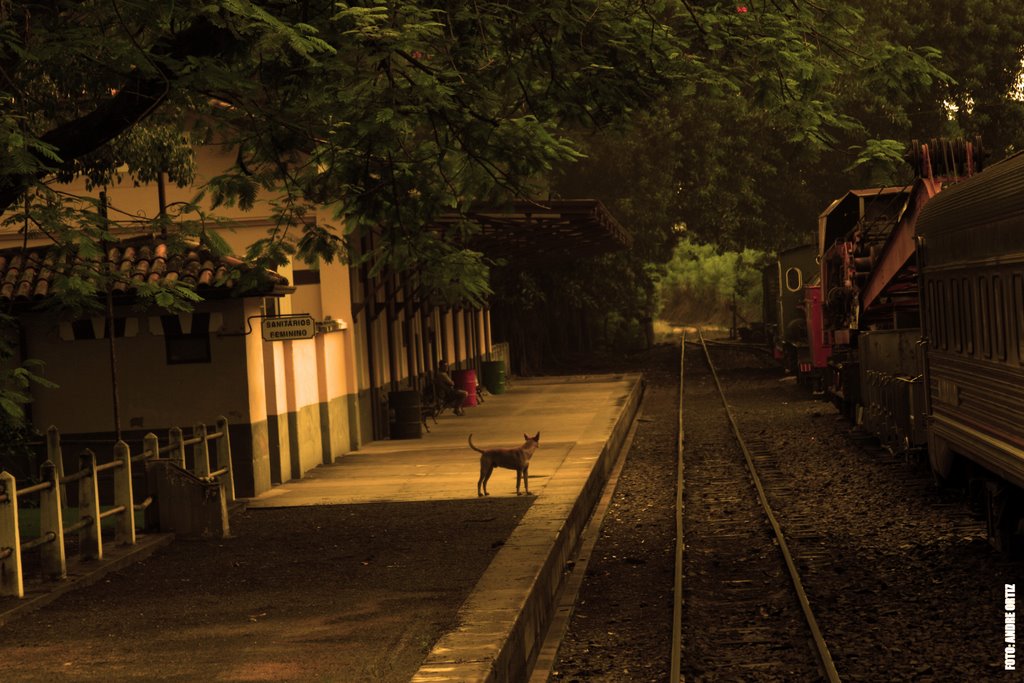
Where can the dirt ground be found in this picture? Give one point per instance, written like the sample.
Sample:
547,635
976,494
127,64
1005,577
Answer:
334,593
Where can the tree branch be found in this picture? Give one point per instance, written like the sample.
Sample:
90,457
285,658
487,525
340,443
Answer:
134,101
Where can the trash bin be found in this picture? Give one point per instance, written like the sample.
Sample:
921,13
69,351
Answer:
493,372
404,415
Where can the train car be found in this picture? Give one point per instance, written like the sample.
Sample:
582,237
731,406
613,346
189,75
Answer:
872,302
793,269
971,259
852,232
770,302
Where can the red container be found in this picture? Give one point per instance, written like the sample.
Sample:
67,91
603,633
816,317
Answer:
466,380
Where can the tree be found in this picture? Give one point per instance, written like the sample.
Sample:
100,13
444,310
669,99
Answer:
388,112
742,152
392,112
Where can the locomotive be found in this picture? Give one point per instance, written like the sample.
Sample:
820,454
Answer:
784,282
915,321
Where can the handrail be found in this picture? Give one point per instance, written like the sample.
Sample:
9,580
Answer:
42,486
109,465
77,476
113,511
48,537
79,525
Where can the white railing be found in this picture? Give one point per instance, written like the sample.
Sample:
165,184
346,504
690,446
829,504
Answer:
52,503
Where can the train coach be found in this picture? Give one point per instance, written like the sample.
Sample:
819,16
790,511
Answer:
922,319
971,260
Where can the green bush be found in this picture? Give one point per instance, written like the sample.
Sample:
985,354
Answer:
699,283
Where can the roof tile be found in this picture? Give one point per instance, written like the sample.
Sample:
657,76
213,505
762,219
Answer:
28,275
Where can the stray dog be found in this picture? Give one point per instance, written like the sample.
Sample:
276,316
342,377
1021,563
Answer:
517,459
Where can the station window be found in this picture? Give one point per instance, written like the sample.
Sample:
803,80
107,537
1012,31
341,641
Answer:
944,314
985,316
187,347
934,317
1017,314
970,307
998,318
270,306
305,277
956,310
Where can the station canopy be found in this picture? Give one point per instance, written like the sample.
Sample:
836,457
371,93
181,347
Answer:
542,230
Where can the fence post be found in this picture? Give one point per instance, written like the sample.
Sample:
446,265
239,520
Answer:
177,439
11,582
90,538
151,445
54,455
124,533
53,561
224,458
201,452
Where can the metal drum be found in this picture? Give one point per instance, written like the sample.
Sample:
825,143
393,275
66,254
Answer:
466,380
404,415
493,372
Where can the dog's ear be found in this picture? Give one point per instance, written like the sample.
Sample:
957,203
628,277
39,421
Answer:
536,437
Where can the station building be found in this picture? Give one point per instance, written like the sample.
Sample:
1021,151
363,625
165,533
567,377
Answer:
292,403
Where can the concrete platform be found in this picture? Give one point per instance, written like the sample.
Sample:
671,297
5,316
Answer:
569,412
583,421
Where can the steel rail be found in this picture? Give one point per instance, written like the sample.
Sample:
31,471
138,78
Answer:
824,656
677,586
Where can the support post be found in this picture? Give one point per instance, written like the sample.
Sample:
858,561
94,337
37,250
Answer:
90,538
201,452
124,531
11,582
177,439
54,455
224,459
53,561
151,445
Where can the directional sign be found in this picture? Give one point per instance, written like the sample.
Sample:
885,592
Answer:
288,327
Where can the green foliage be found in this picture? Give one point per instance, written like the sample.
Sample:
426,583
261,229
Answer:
700,284
390,113
15,383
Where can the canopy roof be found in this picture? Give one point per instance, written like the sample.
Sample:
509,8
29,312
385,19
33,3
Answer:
544,229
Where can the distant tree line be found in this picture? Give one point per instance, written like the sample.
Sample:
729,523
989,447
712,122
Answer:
701,285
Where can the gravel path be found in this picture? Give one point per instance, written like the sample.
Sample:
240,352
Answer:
621,627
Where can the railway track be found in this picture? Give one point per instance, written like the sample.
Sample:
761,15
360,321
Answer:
735,569
898,572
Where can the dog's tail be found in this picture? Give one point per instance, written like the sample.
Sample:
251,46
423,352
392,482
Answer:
472,446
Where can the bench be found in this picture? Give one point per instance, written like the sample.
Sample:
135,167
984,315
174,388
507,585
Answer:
432,405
